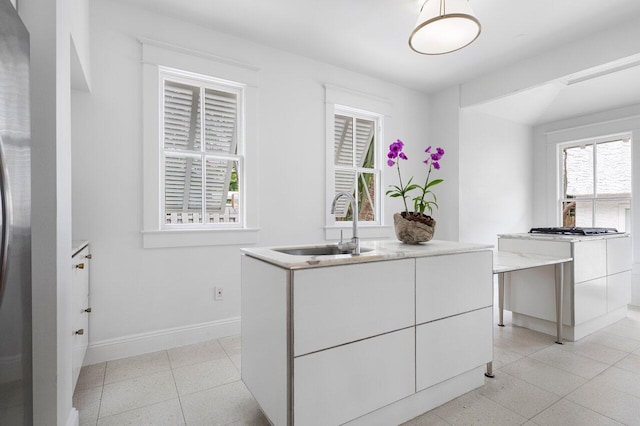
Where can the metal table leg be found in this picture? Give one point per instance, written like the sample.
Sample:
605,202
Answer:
501,299
489,372
559,301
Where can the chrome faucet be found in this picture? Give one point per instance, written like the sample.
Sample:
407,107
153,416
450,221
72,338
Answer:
354,243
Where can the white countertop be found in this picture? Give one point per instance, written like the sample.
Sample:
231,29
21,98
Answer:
504,261
381,250
563,238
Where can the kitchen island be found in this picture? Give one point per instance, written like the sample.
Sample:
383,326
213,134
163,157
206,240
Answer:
597,283
377,338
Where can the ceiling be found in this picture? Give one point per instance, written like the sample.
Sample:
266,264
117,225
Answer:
569,97
371,36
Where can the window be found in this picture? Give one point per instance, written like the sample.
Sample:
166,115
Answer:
596,184
199,156
355,164
201,121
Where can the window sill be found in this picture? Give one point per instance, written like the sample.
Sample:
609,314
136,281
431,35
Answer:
364,232
199,237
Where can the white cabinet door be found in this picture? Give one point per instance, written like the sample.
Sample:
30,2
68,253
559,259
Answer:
334,386
618,255
79,315
618,290
265,336
590,300
337,305
589,260
451,346
449,285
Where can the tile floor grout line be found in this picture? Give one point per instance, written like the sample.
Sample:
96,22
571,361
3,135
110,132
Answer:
564,370
104,376
530,384
589,408
184,418
134,409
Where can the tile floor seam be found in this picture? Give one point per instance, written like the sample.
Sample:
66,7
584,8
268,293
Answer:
593,409
564,398
560,368
137,377
530,384
99,405
134,409
589,358
184,418
208,389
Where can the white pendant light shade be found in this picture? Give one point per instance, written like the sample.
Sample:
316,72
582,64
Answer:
444,26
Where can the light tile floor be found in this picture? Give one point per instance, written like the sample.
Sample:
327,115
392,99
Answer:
595,381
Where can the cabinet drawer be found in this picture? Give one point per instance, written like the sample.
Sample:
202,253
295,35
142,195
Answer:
618,255
337,385
618,290
337,305
590,300
449,285
452,346
589,260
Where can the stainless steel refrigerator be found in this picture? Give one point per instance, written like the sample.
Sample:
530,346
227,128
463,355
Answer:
15,205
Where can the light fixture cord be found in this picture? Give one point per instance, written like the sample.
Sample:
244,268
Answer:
443,6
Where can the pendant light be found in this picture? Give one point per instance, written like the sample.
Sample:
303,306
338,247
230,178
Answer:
444,26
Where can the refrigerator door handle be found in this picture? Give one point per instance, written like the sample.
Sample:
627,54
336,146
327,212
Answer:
5,217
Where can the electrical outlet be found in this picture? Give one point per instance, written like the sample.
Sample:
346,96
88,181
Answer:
218,293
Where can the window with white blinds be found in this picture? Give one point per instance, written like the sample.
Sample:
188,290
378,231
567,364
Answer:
201,168
355,164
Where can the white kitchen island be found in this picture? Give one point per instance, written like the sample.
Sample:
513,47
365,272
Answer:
372,339
597,283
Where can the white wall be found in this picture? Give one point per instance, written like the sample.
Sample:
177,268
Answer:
137,294
80,65
444,131
546,138
495,177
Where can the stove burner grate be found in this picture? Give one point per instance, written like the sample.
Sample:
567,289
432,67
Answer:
573,231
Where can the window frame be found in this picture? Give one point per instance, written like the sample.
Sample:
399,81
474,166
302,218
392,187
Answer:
202,82
358,114
156,54
594,141
370,104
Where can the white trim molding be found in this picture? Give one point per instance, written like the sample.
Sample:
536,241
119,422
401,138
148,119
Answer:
74,417
142,343
155,55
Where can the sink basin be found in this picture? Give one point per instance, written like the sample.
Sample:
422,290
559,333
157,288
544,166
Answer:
317,251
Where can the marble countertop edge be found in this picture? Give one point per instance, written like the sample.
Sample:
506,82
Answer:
380,250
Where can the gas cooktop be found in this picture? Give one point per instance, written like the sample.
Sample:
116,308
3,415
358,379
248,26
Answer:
573,231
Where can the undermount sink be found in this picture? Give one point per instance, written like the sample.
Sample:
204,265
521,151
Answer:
317,251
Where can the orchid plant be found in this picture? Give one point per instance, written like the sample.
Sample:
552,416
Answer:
426,198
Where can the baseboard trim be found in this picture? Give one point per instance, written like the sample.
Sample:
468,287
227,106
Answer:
569,333
138,344
74,418
427,399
